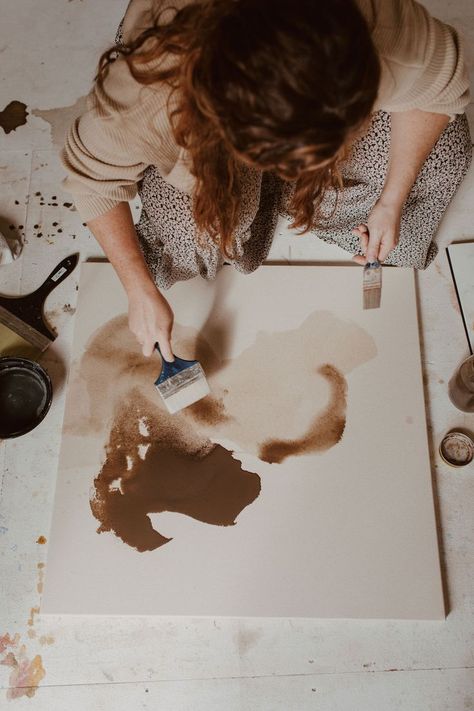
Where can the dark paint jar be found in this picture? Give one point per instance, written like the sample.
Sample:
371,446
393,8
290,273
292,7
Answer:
26,394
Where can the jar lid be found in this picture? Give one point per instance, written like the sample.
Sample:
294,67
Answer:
457,449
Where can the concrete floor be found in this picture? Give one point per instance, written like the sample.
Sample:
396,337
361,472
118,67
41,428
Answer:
48,58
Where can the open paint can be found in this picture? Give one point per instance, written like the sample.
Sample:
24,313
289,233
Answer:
25,396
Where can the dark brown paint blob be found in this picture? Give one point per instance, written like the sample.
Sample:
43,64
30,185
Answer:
326,430
13,115
156,468
41,540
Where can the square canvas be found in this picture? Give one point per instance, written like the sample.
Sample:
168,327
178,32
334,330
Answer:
461,257
300,487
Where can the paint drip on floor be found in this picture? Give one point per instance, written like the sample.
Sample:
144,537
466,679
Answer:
13,116
26,673
61,119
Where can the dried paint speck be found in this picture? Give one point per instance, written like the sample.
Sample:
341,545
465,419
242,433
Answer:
26,674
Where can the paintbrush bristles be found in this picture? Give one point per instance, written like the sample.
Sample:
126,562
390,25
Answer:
23,329
186,396
184,388
372,285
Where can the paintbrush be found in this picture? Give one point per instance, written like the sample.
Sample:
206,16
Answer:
372,285
181,382
23,330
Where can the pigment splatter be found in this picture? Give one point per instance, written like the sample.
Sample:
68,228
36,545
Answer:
13,116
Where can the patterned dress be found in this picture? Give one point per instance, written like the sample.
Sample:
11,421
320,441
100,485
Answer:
169,240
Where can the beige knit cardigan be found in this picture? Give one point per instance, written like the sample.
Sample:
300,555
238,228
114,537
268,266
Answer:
126,127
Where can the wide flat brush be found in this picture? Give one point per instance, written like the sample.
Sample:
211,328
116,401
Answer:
23,329
181,382
372,285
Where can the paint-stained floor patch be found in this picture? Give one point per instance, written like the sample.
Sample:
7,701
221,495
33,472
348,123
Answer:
13,116
60,119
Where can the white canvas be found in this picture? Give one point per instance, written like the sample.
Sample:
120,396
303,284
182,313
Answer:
462,260
323,505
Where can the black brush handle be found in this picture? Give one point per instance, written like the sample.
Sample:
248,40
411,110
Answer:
29,308
58,275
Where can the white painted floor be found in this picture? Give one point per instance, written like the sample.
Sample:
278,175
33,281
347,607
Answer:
48,52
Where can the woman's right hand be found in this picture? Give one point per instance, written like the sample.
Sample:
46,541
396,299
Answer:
150,319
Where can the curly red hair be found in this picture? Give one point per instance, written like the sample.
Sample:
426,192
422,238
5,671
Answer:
281,85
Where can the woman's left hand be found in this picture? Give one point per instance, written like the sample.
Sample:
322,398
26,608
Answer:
380,234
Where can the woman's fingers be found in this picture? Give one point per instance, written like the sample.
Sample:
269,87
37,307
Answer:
165,347
362,231
373,247
151,320
387,244
164,341
148,347
380,234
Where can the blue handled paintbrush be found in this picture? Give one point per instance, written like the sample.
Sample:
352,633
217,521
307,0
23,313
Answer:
181,382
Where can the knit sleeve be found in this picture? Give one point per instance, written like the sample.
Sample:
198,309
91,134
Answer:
101,169
422,59
107,150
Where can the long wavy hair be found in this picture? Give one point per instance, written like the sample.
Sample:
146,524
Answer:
280,85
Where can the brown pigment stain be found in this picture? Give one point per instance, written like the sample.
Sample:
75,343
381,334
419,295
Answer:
7,641
276,391
13,116
112,366
41,540
46,639
34,611
326,430
40,581
210,411
155,462
197,479
26,674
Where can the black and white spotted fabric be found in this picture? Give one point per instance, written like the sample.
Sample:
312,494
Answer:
173,250
364,174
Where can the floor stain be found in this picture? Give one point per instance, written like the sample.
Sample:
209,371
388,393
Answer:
13,116
246,639
26,673
33,612
60,119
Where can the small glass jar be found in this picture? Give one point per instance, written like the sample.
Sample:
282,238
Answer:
461,386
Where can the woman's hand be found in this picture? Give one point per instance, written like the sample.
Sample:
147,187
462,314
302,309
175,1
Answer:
150,318
380,234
